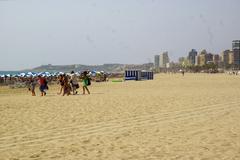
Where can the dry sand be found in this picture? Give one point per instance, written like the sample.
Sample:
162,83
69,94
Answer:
171,117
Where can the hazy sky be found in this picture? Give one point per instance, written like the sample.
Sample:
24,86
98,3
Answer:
36,32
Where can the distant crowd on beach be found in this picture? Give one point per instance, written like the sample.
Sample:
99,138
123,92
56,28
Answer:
68,84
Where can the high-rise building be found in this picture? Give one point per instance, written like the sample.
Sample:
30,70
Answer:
197,60
231,58
225,57
236,52
202,57
157,61
164,59
209,58
216,59
192,56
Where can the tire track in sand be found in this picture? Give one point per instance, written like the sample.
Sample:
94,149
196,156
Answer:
110,127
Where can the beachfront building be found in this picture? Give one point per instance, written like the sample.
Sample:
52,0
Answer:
231,58
236,52
192,57
209,58
156,61
225,58
197,60
164,59
202,58
216,59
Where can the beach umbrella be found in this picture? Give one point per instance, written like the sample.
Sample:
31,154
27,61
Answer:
93,71
34,75
28,76
60,73
69,74
55,73
2,76
22,74
14,75
76,73
93,74
40,73
8,75
46,74
29,73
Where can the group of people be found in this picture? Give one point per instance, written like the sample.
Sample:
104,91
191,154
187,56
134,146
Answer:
68,84
43,85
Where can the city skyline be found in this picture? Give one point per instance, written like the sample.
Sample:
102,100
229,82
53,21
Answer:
34,33
227,59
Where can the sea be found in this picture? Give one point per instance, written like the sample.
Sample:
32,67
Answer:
9,72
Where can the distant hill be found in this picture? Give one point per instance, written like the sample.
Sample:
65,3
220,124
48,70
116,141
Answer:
78,67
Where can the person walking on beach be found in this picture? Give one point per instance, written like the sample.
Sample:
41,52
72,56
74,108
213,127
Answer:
61,82
43,85
182,72
66,86
86,82
32,86
74,83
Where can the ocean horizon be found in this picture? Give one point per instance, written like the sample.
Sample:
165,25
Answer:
9,72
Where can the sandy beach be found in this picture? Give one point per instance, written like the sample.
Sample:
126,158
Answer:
171,117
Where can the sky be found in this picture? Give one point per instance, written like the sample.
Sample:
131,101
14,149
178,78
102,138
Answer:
40,32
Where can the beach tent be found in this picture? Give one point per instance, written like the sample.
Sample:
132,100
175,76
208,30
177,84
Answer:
147,75
138,75
132,75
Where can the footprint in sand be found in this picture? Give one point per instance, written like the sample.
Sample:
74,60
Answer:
35,156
